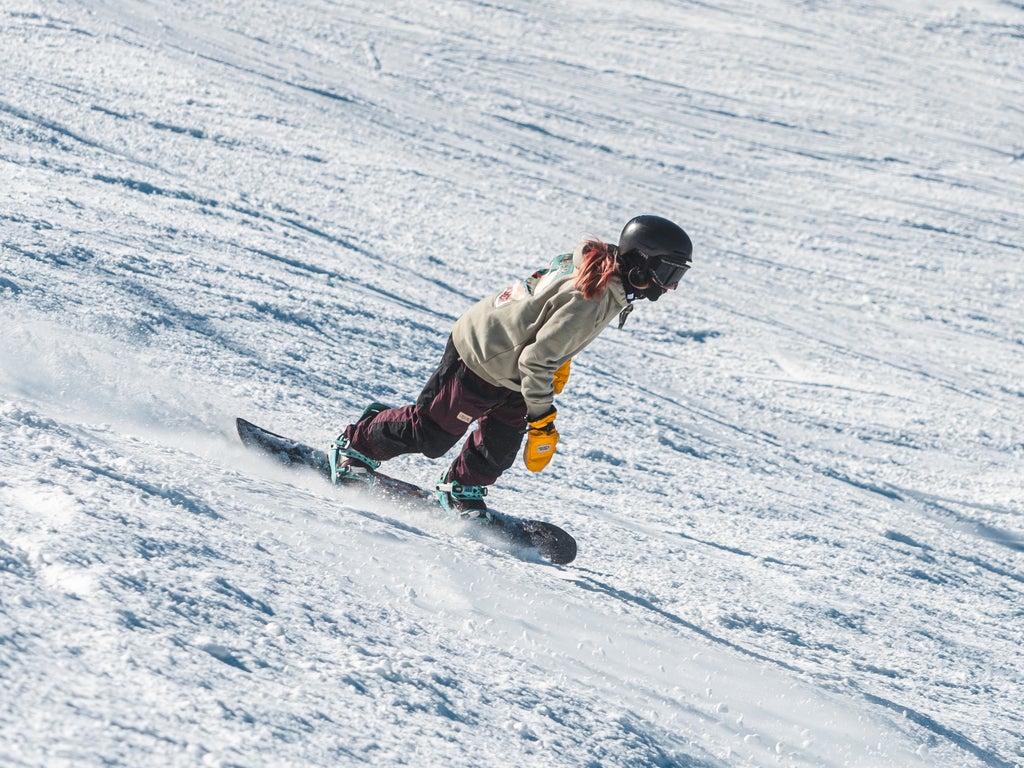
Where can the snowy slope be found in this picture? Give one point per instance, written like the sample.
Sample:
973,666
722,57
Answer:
796,484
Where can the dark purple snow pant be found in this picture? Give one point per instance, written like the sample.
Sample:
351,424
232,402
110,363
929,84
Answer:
453,398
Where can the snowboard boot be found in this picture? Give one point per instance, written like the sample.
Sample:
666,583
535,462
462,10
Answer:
465,501
372,410
345,461
348,463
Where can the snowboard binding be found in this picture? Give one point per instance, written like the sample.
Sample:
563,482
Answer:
464,501
345,461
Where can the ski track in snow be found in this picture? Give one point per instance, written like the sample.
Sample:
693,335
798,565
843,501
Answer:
795,484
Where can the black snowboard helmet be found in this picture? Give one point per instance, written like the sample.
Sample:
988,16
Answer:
655,253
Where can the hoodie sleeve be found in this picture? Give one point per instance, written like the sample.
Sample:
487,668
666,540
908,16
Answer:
572,323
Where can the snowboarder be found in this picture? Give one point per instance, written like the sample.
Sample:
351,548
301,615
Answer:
507,358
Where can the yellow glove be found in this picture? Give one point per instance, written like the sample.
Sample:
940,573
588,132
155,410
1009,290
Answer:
561,376
541,440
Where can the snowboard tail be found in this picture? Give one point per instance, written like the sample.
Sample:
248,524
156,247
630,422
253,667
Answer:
553,543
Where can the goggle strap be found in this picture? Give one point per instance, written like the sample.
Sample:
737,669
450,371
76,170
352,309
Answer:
625,314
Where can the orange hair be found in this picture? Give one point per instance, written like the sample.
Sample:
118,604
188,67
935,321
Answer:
597,270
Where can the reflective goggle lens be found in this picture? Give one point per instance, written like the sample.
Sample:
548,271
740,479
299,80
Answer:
667,274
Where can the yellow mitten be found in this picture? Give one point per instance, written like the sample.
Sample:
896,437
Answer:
541,440
561,376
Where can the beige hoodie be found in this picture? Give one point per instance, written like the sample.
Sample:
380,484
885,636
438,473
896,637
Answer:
520,337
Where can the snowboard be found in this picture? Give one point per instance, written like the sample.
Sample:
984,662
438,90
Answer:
550,541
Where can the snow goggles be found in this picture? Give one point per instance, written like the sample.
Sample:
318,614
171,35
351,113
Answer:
666,274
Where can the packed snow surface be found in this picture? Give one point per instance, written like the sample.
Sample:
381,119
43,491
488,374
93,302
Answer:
796,482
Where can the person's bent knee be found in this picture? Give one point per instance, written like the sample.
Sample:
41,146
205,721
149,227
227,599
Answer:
434,442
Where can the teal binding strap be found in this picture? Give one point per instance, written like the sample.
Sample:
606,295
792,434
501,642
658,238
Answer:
341,447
